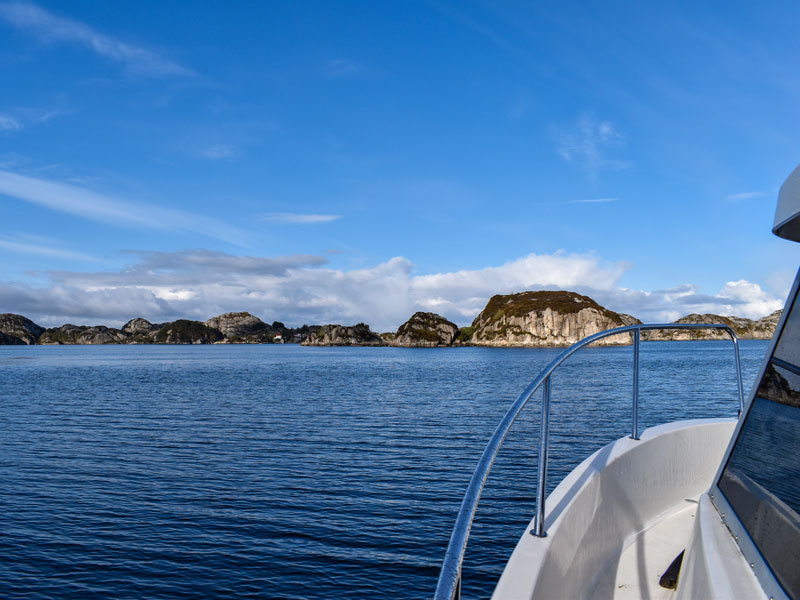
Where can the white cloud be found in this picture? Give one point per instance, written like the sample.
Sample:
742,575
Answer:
463,294
737,298
745,196
50,28
79,201
9,123
300,289
748,299
589,143
300,218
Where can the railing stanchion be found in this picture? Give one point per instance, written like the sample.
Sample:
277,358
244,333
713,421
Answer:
544,439
738,373
635,404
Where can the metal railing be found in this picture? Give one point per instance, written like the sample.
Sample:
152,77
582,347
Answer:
449,586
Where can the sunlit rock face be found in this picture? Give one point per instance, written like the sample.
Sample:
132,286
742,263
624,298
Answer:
425,330
339,335
17,329
762,329
242,327
545,318
139,325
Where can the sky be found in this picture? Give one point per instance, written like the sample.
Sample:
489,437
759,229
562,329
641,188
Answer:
319,162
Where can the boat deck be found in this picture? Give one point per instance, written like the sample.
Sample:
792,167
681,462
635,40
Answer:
644,560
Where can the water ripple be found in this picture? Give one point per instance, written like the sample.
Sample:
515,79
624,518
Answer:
289,472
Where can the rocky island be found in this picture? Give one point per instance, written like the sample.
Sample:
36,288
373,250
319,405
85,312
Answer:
526,319
535,319
339,335
228,328
746,329
425,330
17,329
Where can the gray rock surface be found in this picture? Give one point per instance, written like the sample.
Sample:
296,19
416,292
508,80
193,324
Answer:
242,327
425,330
746,329
339,335
184,331
19,328
10,340
545,318
140,331
82,334
139,325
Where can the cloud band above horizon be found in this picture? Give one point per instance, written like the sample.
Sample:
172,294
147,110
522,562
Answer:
199,284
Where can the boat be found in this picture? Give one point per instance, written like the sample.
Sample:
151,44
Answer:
702,508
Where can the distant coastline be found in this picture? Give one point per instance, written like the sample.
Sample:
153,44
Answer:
525,319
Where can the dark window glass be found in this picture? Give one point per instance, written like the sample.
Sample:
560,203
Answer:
762,478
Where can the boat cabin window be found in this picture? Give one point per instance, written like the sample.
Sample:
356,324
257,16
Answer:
761,480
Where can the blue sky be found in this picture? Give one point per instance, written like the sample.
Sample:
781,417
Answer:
337,162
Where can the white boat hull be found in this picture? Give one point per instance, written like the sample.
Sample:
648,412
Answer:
617,521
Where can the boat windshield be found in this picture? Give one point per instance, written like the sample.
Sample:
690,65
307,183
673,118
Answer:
761,480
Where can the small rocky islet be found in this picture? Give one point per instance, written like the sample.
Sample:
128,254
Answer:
525,319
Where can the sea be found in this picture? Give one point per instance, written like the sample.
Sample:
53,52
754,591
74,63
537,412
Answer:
289,472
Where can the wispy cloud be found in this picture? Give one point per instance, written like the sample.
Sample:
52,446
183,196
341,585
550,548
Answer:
342,67
36,115
300,218
220,151
34,245
745,196
20,117
87,204
9,123
589,144
593,201
51,29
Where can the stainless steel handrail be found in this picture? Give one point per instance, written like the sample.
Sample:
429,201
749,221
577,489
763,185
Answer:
449,586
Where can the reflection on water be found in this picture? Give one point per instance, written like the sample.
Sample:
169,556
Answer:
167,472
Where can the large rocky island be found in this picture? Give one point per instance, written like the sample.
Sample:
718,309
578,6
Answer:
525,319
545,319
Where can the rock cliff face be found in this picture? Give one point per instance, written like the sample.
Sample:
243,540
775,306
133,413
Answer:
81,334
139,326
425,330
10,340
242,327
545,319
19,330
183,331
338,335
140,331
762,329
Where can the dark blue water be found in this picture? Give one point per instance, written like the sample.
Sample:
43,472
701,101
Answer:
291,472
